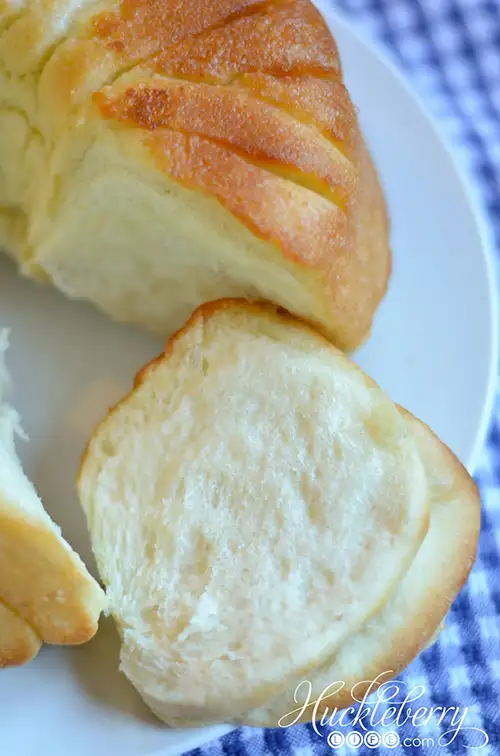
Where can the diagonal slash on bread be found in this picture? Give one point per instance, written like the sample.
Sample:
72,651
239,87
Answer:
158,155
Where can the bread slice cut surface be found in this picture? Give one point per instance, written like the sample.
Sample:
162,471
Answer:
413,616
251,503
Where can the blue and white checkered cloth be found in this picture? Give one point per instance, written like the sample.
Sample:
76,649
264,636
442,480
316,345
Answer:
450,51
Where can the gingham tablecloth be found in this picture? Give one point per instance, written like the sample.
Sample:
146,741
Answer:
450,52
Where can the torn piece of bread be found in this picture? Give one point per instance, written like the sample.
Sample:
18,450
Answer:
42,580
158,155
253,503
413,616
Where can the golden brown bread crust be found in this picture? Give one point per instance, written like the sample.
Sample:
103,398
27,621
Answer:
240,100
203,40
252,128
18,641
244,96
325,103
46,592
250,193
46,583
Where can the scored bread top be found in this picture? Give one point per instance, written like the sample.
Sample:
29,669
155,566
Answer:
251,503
254,111
239,101
202,39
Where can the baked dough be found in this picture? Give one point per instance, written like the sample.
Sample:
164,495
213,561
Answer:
46,593
18,641
261,513
157,155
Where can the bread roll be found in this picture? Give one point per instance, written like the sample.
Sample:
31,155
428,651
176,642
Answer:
46,593
155,156
259,511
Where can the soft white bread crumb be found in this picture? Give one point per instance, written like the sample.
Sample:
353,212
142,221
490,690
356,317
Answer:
42,580
252,504
412,618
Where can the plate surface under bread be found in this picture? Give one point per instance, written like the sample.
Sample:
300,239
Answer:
433,349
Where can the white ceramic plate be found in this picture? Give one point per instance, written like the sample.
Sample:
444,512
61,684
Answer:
432,349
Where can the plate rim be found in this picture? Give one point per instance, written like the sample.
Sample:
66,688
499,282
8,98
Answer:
469,186
336,19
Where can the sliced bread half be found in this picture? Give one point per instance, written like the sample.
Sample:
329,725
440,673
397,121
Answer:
253,503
